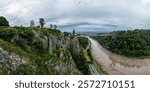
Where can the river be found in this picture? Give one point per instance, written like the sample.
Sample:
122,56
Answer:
115,64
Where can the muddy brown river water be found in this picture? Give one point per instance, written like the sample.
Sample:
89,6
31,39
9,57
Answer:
115,64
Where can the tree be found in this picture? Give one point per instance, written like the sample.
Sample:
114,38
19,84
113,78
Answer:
55,26
51,26
3,21
42,22
38,26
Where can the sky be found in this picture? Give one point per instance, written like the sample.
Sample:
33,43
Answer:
82,15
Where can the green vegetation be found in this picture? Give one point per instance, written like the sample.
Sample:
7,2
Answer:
3,21
86,56
24,42
130,43
83,41
99,68
41,51
13,48
42,22
80,57
31,43
80,62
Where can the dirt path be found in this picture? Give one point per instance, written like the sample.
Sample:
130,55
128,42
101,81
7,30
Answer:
115,64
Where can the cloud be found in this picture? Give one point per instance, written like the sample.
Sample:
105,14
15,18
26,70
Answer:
79,14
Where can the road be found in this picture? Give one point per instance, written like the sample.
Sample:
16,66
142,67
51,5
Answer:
115,64
91,66
93,70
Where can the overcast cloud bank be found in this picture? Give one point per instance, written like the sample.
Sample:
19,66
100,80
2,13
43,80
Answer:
83,15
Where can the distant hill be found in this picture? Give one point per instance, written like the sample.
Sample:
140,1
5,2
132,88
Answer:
131,43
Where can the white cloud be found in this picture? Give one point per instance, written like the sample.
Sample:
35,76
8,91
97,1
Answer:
96,13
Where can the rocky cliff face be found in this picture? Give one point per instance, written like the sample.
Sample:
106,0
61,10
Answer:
35,51
12,58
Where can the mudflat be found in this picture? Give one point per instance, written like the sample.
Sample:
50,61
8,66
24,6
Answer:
115,64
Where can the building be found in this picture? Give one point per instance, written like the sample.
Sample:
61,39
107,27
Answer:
32,23
74,33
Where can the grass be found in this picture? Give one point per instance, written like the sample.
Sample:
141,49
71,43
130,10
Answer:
99,68
13,48
29,43
26,35
85,54
83,42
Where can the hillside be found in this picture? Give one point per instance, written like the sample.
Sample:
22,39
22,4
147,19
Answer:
38,51
131,43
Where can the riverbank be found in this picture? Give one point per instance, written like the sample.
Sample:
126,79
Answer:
116,64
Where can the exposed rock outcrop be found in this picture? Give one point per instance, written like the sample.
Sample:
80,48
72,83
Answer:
13,59
36,51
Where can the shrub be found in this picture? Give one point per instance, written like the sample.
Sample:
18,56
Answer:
3,21
8,33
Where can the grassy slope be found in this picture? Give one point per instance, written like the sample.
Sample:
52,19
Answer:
99,68
84,43
88,57
36,57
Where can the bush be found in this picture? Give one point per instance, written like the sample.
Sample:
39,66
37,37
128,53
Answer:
3,21
8,33
83,42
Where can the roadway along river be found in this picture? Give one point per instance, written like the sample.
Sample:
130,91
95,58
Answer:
115,64
93,70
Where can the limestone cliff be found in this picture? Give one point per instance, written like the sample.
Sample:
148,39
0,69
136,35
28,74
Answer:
35,51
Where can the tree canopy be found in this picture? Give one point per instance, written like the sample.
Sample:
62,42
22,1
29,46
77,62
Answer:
3,21
130,43
42,22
